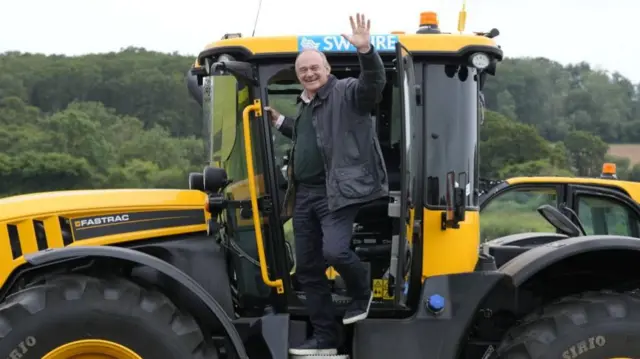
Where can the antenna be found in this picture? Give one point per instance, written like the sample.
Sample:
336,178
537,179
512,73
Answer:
255,23
462,17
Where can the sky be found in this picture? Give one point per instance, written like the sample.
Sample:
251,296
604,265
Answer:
567,31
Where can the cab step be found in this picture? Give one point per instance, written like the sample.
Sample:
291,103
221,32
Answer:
336,298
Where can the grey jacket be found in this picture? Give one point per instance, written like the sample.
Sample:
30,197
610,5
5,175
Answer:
354,166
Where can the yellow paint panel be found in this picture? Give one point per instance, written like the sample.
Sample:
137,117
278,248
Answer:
443,42
413,42
5,249
96,201
22,210
452,250
7,263
27,234
54,234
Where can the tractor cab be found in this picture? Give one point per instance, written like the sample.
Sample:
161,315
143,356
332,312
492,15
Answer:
427,124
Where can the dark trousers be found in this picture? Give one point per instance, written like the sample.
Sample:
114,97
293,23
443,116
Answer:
323,237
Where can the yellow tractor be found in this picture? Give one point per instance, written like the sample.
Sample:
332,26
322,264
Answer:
206,272
593,206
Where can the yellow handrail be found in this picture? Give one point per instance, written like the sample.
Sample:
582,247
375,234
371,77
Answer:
248,152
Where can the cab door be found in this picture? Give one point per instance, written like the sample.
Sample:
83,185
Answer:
520,204
408,202
253,230
604,211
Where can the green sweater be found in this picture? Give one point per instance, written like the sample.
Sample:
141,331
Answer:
308,163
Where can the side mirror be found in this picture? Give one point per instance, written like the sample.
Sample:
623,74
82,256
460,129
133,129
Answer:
567,210
493,33
243,71
214,179
196,181
560,221
456,203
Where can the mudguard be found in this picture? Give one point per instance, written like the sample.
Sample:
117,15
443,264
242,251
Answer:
526,265
528,239
504,249
137,257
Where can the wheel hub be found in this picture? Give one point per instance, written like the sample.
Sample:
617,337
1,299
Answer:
91,349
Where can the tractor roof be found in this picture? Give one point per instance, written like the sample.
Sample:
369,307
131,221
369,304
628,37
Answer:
438,44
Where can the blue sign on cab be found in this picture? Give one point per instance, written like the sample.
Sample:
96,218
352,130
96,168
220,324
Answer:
337,43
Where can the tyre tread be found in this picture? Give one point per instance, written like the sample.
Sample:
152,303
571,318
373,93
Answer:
541,328
65,288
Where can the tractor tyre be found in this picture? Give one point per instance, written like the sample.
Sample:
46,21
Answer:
589,326
68,315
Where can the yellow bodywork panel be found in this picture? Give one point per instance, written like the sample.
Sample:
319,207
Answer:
95,201
449,251
34,222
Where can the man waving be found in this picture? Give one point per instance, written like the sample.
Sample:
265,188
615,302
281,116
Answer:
335,166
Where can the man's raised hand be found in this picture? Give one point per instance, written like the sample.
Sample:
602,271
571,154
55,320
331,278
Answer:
360,36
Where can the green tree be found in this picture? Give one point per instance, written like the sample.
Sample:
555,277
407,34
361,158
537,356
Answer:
586,152
126,119
505,143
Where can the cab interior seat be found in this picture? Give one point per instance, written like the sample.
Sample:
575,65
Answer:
373,228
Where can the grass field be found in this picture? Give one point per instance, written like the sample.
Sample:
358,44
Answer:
631,151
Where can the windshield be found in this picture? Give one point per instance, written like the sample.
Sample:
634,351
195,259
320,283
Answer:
450,102
451,105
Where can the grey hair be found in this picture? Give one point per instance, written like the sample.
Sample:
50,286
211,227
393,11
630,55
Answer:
325,62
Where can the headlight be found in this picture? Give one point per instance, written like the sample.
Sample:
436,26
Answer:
480,60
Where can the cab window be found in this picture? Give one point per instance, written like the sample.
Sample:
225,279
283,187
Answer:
284,98
451,107
515,211
222,98
600,215
229,98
